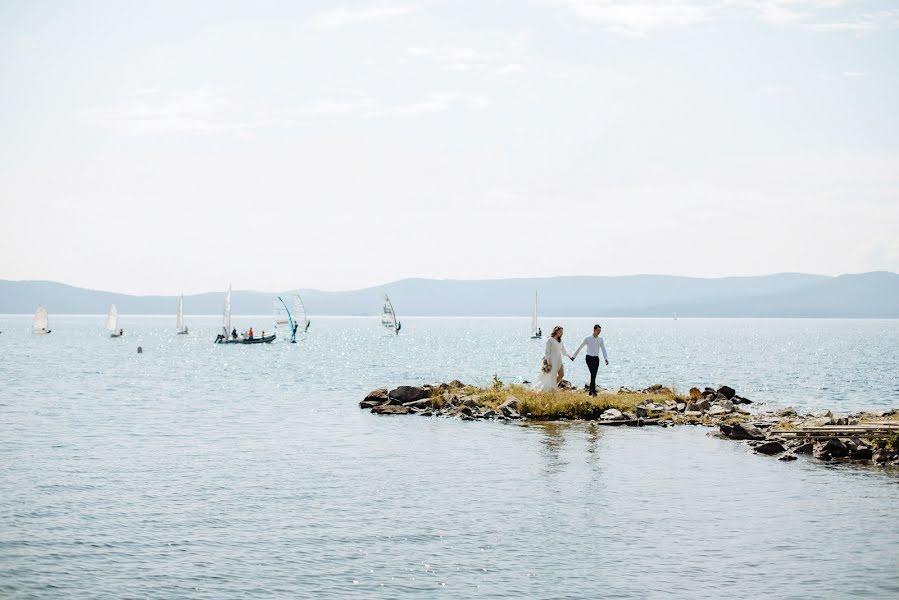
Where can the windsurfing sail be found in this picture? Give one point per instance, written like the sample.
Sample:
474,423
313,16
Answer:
284,321
112,319
535,329
181,314
226,314
299,312
40,323
388,316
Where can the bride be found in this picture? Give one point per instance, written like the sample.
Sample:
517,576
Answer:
553,371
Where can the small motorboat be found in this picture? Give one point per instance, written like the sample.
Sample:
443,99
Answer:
229,335
268,339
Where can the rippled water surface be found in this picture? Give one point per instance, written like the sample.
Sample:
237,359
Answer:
204,471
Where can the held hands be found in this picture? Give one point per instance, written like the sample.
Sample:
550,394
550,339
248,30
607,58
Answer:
607,362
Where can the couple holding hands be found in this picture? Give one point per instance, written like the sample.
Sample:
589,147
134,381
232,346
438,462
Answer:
553,371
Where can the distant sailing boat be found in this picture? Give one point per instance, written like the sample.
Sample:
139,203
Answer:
182,330
388,317
226,338
291,321
40,325
112,322
536,332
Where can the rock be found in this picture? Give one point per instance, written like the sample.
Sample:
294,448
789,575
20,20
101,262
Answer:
725,429
449,399
612,414
464,410
649,409
822,413
489,414
565,385
746,431
804,448
785,412
423,403
471,401
509,412
375,397
741,400
391,409
718,410
727,405
831,448
511,402
727,391
694,393
770,447
839,419
703,405
455,383
692,413
787,457
817,422
741,410
409,393
883,456
680,407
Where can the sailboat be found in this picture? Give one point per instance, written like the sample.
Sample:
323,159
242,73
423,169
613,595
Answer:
388,317
40,325
182,330
226,338
292,322
112,322
536,332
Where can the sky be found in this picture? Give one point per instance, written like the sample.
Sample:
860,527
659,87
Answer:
171,147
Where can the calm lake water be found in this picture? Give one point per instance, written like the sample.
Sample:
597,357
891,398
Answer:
202,471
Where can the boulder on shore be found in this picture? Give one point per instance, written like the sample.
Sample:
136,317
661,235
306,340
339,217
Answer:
612,414
727,391
409,393
375,398
744,431
771,447
391,409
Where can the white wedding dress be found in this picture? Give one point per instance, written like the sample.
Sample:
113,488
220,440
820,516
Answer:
555,350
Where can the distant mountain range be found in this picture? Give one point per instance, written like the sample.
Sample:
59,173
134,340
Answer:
783,295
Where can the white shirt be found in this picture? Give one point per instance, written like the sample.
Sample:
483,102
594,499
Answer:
594,345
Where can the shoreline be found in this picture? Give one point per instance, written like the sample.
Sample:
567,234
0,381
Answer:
867,437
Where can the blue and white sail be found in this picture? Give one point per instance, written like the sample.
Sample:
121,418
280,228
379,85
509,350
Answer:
292,321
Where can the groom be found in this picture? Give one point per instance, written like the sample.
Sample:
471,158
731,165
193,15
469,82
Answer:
594,344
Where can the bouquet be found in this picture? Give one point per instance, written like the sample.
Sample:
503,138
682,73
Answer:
546,368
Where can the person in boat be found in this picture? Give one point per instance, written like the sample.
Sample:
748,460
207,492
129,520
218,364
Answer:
293,334
250,333
234,333
263,333
308,323
539,332
121,332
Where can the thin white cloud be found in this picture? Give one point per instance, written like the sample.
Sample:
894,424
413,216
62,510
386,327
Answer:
511,69
154,112
343,17
865,22
434,102
641,17
452,59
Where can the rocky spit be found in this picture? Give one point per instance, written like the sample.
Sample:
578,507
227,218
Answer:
870,437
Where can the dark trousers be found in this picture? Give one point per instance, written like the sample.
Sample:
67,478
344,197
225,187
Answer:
593,365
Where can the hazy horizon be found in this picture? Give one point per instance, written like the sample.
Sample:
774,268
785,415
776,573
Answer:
436,279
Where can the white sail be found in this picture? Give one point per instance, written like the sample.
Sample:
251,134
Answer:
534,327
283,319
226,313
180,324
112,319
299,311
388,316
40,323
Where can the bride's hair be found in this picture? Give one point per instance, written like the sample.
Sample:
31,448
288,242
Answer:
556,330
